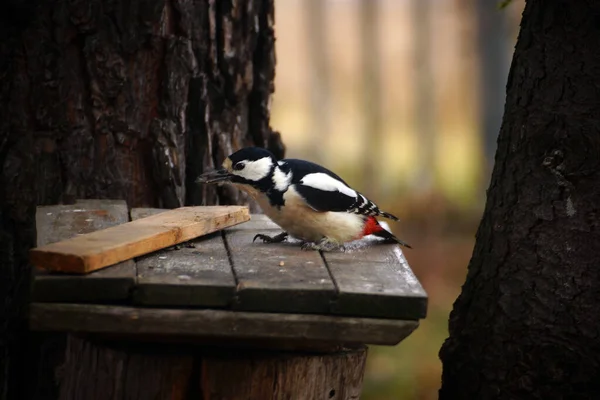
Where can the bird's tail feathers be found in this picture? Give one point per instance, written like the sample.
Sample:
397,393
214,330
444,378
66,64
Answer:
388,215
388,236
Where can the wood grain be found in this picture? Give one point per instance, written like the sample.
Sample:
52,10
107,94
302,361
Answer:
374,280
278,277
61,222
273,376
87,253
93,371
55,223
197,273
222,324
107,370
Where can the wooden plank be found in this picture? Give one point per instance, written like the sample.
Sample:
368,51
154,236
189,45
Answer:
374,280
278,277
233,325
101,203
60,222
196,274
258,222
99,249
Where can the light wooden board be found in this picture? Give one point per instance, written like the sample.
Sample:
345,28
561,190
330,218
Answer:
278,277
55,223
375,280
197,273
216,323
90,252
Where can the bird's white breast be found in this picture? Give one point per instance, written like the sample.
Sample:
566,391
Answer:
302,222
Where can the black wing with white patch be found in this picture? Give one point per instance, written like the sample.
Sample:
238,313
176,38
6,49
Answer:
325,191
323,200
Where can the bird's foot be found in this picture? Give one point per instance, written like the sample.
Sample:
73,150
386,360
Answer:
271,239
324,244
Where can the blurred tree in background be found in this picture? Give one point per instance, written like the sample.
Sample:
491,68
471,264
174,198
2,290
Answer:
526,322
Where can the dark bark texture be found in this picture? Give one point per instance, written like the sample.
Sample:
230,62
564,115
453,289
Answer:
526,323
119,99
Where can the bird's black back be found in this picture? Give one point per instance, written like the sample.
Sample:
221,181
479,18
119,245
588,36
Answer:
301,168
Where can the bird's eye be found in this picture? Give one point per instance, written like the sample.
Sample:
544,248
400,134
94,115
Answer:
239,166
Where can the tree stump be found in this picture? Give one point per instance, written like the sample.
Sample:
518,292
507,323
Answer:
95,370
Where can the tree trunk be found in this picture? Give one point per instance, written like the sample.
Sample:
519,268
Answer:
526,322
119,99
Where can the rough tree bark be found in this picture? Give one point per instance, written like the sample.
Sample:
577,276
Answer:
118,99
526,322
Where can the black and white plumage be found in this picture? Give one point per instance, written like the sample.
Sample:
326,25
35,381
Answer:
325,191
307,200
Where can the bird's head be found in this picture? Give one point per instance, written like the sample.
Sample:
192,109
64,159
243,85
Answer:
252,166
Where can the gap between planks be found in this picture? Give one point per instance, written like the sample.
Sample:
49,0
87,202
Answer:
230,258
335,285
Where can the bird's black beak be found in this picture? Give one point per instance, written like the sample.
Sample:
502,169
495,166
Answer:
218,175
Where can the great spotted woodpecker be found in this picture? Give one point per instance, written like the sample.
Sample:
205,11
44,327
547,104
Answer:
306,200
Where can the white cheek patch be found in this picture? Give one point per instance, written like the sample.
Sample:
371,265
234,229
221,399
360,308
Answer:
255,170
281,180
325,182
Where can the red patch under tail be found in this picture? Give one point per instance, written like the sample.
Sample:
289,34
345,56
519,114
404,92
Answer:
372,227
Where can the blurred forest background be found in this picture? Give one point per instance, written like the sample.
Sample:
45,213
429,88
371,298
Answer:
404,99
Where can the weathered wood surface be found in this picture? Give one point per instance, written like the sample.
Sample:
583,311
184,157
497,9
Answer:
62,222
259,223
95,372
374,279
92,251
110,371
278,278
281,376
369,280
198,273
216,323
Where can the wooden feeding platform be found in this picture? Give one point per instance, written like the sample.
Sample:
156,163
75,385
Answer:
214,317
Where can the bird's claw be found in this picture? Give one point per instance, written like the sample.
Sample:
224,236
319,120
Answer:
308,246
271,239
